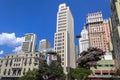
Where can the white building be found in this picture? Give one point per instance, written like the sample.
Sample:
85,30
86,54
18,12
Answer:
64,38
84,41
44,44
13,66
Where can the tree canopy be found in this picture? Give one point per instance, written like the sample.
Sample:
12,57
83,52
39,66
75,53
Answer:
30,75
90,57
80,73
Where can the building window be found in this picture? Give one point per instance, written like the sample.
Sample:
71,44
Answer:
36,54
62,63
111,65
29,69
9,72
62,59
10,62
19,59
24,70
4,72
30,61
19,72
1,61
6,62
25,62
99,65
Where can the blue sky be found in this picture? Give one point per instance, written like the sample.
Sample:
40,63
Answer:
18,17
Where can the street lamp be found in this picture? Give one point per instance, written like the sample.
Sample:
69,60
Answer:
78,37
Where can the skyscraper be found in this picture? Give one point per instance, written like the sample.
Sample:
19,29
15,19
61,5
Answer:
30,43
64,37
83,41
44,44
98,31
115,30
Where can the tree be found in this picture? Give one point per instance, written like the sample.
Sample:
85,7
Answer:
43,71
80,73
90,58
30,75
86,60
47,72
52,72
56,71
117,72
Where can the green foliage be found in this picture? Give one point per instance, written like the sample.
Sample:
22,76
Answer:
53,71
42,71
118,72
56,71
80,73
30,75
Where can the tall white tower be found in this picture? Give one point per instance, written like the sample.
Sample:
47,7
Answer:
84,41
64,38
30,43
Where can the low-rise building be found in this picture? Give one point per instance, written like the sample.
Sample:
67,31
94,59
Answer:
16,65
13,66
105,69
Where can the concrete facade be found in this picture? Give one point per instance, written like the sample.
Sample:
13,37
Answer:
64,38
115,30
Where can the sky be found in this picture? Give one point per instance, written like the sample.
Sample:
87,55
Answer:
18,17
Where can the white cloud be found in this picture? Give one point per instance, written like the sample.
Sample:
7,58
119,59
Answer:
17,49
10,39
1,51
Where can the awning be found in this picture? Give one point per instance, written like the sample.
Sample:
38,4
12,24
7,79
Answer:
97,71
105,71
112,71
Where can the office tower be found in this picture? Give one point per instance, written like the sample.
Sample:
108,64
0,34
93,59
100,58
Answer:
98,31
30,43
83,41
44,44
64,37
115,30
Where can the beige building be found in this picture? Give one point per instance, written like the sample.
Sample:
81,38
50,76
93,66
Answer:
13,66
30,43
64,38
115,29
98,31
44,44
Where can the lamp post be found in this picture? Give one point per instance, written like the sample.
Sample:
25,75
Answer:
78,37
